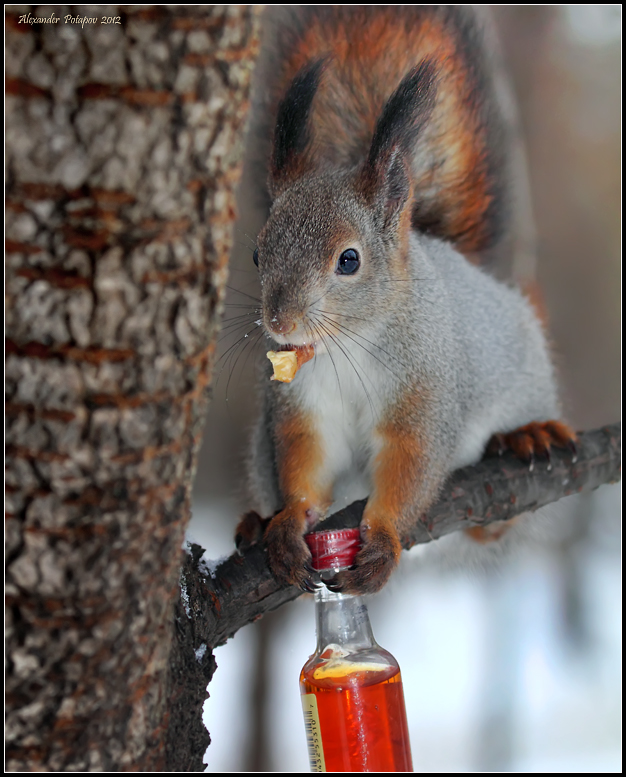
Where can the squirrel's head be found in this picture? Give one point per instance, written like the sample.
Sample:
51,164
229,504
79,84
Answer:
334,248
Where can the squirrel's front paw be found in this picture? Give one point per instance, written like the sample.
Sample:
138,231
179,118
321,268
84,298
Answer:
289,556
373,564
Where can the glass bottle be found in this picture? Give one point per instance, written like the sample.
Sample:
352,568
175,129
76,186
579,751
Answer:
351,688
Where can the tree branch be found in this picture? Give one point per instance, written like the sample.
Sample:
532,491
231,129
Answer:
242,589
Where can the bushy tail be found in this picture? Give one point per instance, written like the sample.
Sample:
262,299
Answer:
346,68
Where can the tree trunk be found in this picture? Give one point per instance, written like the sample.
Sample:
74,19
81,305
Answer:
123,153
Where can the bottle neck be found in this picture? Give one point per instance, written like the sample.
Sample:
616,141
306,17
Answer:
342,620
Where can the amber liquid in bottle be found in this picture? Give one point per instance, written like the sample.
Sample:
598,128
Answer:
363,726
352,694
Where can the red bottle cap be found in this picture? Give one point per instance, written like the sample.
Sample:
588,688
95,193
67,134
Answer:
333,549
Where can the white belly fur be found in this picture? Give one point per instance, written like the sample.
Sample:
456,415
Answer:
345,418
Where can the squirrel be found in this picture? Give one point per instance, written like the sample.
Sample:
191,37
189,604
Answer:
391,179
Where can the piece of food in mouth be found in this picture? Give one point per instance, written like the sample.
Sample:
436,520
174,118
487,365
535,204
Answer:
287,363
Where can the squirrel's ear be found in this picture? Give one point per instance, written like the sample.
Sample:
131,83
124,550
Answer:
385,177
292,134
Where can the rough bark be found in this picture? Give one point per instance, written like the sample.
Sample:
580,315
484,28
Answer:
123,152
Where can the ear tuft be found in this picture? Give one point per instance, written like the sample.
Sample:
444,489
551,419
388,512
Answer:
386,171
405,113
398,187
292,133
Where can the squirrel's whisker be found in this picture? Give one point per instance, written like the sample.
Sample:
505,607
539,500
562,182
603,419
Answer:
248,342
343,315
243,293
246,235
225,356
245,306
348,333
377,211
318,330
350,362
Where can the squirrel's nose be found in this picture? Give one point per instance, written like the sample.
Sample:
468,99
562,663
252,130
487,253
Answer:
279,327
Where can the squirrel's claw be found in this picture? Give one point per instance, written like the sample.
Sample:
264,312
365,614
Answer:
496,445
309,586
334,585
372,566
535,439
289,556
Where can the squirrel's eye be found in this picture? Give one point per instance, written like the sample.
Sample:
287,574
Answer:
348,263
255,256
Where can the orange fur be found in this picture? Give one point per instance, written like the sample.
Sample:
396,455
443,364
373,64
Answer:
534,438
300,460
307,498
399,474
360,41
337,240
395,475
396,481
491,533
533,293
526,442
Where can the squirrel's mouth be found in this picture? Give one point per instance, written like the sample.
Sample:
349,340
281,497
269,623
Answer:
295,337
318,346
291,340
296,346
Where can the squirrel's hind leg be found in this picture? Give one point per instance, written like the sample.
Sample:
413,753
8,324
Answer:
526,442
534,439
250,530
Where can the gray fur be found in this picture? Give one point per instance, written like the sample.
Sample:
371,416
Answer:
417,341
472,343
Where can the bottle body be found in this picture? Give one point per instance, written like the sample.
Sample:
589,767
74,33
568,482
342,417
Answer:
352,694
